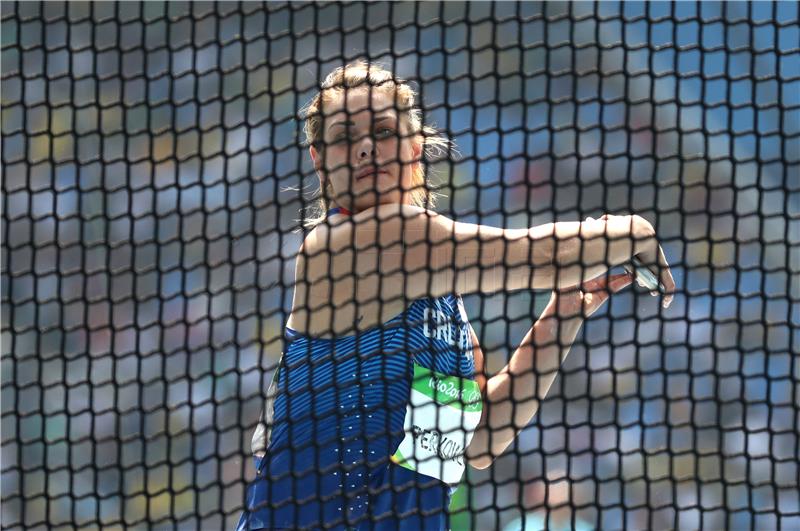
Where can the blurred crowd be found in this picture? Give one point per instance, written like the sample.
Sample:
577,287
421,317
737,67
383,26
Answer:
153,186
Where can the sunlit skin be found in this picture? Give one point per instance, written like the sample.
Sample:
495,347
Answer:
361,135
361,129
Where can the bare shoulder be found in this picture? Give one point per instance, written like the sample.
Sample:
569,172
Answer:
385,224
347,270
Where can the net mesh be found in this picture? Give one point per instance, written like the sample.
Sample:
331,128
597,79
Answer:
153,176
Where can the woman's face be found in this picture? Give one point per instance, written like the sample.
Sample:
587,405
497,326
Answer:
367,158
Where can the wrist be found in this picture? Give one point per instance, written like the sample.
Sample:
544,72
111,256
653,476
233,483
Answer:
643,235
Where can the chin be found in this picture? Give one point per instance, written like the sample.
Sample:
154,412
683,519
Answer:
370,200
382,177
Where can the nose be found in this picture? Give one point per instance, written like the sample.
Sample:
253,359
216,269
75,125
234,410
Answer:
366,147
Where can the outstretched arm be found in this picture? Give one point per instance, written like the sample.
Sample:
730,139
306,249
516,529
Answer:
512,396
403,251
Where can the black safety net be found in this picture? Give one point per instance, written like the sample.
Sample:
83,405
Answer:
155,181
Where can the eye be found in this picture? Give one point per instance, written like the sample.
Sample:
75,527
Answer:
384,132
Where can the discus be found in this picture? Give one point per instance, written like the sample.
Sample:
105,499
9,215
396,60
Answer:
644,276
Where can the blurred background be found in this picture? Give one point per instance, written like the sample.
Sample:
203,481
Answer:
153,181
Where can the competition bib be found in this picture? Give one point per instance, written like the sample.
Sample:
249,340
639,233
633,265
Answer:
441,416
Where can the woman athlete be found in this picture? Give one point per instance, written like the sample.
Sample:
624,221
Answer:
380,400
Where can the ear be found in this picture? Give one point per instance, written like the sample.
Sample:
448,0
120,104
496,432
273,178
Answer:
315,158
416,154
417,151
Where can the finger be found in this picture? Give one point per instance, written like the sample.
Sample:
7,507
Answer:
596,284
618,282
594,300
602,282
666,278
599,289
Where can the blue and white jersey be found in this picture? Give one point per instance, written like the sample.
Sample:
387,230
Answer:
340,414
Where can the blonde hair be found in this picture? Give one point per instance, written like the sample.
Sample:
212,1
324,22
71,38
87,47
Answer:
355,75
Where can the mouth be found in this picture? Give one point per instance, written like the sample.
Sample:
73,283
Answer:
369,172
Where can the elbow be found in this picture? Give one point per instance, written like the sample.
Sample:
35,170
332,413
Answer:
481,462
479,457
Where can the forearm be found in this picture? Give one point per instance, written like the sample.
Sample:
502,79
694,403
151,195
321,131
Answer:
513,395
470,258
584,250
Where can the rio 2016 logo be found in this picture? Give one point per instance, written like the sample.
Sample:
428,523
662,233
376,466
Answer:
473,397
449,389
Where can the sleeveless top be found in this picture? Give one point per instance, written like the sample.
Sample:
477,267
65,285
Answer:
368,431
